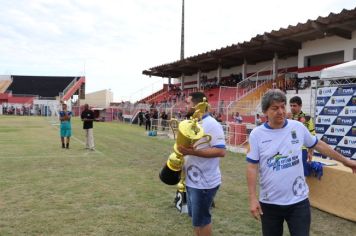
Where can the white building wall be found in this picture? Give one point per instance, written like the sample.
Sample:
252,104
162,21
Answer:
310,48
101,98
327,45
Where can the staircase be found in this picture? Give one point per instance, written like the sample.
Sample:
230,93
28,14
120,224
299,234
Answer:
73,87
4,84
247,103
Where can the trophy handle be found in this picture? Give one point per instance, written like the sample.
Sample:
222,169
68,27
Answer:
208,137
173,123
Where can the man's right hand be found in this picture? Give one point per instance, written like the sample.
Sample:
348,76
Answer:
255,209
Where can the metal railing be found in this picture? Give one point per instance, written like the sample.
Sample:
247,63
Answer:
236,135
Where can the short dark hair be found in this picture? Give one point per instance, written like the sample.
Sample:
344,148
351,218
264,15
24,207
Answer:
198,97
296,99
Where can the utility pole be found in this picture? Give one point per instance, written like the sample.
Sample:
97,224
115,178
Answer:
182,34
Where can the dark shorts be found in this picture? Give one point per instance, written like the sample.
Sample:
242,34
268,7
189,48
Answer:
199,203
296,215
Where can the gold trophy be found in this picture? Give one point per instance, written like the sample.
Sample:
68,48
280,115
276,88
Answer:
188,133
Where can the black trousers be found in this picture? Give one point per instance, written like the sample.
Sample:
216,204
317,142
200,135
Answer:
148,125
296,215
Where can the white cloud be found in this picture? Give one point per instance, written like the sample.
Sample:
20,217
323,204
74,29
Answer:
115,40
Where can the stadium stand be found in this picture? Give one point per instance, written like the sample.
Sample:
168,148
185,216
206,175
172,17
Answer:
43,86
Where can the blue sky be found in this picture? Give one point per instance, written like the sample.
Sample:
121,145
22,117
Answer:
113,41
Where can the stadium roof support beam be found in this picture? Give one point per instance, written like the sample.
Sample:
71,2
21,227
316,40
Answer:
198,79
182,82
275,66
218,73
343,33
288,44
244,69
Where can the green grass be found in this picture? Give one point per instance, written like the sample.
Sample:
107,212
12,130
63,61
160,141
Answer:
45,190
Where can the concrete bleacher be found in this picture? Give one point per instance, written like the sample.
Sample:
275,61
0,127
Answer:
43,86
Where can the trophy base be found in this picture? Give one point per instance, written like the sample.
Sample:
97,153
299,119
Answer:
169,176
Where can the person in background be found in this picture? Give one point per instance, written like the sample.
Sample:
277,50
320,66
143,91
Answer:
164,118
148,120
87,117
140,117
258,120
295,104
218,118
275,155
237,118
201,166
154,119
65,127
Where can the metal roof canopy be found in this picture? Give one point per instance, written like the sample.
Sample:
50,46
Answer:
285,42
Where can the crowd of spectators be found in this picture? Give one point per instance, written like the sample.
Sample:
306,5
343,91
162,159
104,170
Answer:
230,81
17,110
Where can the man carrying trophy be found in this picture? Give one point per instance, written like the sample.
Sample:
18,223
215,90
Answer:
201,167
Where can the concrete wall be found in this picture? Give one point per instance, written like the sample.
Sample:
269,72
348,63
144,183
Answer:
327,45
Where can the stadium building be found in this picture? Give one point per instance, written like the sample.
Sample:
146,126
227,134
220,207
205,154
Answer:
235,77
38,95
238,74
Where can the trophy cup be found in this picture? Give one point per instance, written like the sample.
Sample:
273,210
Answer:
188,133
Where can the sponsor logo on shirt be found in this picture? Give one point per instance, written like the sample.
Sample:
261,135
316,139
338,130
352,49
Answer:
299,186
279,162
294,137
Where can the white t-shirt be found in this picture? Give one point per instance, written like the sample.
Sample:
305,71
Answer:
204,173
279,155
238,119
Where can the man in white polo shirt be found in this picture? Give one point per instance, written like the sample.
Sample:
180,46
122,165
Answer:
201,166
275,152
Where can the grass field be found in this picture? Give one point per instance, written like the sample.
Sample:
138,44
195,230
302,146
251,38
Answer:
45,190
